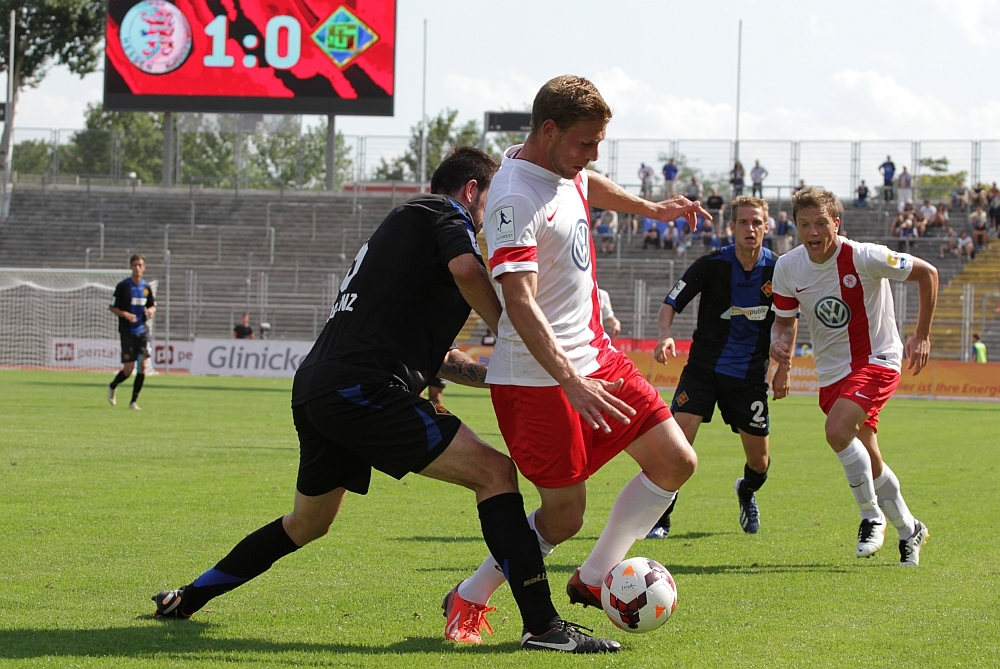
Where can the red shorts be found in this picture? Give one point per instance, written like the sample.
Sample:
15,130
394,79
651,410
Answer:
870,387
552,444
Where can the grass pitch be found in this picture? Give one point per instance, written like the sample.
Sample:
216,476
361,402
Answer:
102,507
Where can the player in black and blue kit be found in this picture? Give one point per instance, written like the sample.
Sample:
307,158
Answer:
728,361
133,304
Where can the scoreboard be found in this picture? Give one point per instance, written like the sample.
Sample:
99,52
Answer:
253,56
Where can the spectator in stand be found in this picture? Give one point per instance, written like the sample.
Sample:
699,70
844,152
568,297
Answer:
605,235
928,209
920,224
693,190
979,223
611,324
907,232
668,236
862,195
707,234
960,196
650,233
966,247
737,179
757,176
769,242
784,233
715,204
979,195
670,170
905,183
802,184
940,218
243,330
950,245
994,212
646,181
888,170
978,350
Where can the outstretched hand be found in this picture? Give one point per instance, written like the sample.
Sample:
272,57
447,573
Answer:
681,207
592,398
780,352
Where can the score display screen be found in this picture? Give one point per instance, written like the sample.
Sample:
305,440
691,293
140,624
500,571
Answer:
251,56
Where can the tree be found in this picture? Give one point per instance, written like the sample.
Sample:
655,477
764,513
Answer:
941,183
443,134
47,32
32,156
298,159
117,143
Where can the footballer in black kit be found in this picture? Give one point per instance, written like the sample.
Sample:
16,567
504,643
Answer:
356,405
729,357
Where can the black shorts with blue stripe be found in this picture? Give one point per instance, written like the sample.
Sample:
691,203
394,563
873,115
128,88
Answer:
346,433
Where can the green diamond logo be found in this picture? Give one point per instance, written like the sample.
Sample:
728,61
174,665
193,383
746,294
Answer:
343,36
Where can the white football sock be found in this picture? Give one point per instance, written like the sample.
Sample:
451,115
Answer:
489,577
858,468
639,505
891,502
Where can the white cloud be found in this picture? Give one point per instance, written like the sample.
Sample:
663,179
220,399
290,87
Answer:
977,18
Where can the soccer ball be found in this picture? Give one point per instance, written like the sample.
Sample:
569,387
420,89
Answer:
639,595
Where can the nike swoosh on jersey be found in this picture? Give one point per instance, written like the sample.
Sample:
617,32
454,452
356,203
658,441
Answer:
549,218
799,290
862,396
569,645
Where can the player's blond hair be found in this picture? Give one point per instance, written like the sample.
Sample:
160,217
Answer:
568,100
811,196
747,201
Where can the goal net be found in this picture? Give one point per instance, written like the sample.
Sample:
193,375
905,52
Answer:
59,318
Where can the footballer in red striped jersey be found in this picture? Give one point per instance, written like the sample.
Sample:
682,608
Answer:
566,400
842,288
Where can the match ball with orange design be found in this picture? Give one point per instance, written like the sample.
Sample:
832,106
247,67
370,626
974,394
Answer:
639,595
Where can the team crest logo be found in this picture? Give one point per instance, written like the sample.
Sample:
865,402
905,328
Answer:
440,410
682,398
155,36
581,245
833,312
766,289
850,281
343,37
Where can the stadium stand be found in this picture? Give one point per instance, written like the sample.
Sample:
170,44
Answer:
281,257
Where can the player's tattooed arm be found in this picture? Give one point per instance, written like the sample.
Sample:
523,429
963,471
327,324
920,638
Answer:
460,368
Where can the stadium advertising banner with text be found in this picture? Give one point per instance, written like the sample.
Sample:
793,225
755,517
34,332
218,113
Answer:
106,354
941,379
248,357
261,56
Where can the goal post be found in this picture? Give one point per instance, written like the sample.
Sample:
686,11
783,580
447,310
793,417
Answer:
59,318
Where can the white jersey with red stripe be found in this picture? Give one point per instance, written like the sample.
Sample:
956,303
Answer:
539,222
848,304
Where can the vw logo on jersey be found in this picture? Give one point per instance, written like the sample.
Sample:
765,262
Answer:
833,312
581,245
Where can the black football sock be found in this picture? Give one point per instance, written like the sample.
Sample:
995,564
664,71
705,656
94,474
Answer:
514,546
250,558
118,379
137,386
752,481
665,518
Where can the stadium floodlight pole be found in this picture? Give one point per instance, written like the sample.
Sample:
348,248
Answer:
423,121
8,162
739,67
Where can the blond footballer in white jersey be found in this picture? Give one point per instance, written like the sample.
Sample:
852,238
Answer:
566,401
842,288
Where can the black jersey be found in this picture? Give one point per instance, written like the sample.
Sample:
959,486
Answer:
734,316
134,298
399,309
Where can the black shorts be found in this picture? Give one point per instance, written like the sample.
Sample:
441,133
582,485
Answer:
346,433
743,403
134,346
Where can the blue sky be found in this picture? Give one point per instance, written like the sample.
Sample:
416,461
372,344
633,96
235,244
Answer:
923,69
